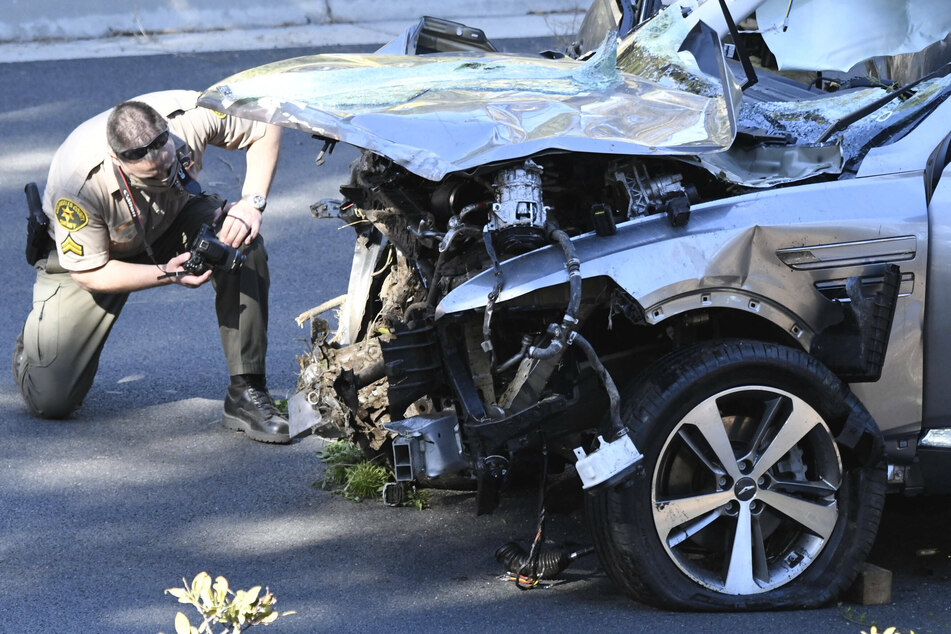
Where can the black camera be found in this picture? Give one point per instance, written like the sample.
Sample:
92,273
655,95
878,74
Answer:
210,252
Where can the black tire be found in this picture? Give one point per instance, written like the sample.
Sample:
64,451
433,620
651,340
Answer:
796,438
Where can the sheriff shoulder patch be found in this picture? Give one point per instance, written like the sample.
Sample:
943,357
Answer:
70,215
71,246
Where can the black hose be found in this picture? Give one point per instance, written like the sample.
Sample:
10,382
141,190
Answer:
412,309
550,564
554,346
493,296
574,273
434,282
609,386
370,374
560,333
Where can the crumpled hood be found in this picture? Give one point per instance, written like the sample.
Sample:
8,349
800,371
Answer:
437,114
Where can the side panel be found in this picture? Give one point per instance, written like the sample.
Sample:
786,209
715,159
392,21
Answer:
780,253
937,403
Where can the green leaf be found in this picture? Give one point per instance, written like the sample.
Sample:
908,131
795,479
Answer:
253,594
182,625
201,588
221,589
201,581
175,592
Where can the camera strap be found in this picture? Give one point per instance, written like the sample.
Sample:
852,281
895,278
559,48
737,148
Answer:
133,210
185,181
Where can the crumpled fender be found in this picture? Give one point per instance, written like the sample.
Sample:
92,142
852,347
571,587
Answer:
752,253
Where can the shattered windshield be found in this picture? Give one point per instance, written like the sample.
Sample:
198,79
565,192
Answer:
807,120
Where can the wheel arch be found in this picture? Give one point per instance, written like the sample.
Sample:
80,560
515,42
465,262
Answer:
771,320
647,334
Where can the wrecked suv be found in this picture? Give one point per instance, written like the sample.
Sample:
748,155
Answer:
702,285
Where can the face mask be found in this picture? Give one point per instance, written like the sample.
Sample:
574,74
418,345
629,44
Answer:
156,184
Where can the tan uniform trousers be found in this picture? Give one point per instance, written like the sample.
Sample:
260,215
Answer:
57,353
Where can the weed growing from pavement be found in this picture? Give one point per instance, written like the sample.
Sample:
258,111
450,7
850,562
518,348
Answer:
348,473
417,498
852,615
338,458
859,617
364,480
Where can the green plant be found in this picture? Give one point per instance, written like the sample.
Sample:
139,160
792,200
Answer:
418,498
852,615
347,472
365,480
338,457
281,405
246,609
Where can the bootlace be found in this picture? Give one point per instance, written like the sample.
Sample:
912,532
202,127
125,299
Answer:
262,400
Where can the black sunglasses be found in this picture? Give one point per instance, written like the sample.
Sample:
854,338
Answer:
137,153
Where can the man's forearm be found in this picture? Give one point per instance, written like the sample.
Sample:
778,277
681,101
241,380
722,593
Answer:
120,277
262,162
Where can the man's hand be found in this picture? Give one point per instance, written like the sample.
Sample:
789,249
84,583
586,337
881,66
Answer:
116,276
191,281
242,224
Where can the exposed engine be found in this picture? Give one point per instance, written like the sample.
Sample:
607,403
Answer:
427,239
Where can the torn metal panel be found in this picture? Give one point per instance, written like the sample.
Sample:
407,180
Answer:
906,68
602,17
837,34
765,165
439,114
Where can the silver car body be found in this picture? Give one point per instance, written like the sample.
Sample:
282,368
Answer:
783,254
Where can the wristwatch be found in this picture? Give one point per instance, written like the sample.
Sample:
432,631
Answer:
257,201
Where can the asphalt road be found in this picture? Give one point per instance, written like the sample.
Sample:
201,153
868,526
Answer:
100,513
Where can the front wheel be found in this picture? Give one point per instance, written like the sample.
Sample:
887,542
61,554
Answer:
762,482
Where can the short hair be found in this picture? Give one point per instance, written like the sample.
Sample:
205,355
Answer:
132,123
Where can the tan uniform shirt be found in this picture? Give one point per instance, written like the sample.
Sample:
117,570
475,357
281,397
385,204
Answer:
91,222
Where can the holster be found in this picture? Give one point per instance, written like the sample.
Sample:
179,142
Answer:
38,241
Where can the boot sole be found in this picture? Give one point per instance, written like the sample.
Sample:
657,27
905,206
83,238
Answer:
236,424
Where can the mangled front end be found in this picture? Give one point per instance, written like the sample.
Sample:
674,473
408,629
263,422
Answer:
491,185
471,160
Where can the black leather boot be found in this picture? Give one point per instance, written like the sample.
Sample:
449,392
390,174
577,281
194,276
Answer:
252,411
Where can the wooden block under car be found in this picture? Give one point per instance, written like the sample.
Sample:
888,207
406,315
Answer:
873,586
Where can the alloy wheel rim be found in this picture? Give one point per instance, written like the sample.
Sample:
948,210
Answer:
744,491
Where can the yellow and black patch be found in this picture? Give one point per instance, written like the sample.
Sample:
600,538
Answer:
70,215
71,246
220,115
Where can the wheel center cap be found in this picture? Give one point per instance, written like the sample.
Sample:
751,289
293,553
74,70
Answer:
744,489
